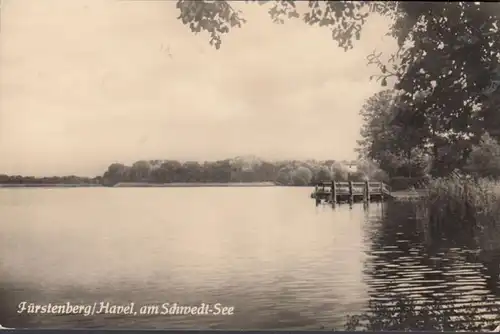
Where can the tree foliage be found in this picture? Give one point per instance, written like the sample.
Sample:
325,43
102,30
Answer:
236,170
49,180
240,169
398,150
484,159
439,43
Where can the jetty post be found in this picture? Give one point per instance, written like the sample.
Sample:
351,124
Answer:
366,193
334,194
351,196
381,191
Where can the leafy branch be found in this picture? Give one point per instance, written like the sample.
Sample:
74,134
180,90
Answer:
374,59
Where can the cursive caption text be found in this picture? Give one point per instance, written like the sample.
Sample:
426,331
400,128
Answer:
132,309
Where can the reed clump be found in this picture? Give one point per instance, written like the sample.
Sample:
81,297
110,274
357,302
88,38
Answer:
459,208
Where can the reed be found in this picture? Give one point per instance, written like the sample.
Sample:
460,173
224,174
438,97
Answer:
461,209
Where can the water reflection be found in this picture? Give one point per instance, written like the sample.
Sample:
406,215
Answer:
283,262
402,268
279,260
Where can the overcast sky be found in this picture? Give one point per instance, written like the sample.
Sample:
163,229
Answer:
85,83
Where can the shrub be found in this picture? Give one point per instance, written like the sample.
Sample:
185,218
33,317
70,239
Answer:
321,174
371,171
484,159
404,183
302,176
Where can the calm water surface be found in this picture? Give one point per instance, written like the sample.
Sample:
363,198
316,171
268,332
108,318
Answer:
269,252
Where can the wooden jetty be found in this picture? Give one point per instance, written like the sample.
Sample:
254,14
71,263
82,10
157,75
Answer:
351,192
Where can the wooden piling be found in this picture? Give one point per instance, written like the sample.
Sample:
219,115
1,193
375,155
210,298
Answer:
351,196
381,191
334,194
366,196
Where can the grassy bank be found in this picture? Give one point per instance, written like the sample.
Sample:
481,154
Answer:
461,210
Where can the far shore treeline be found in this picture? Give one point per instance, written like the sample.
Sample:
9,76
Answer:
237,170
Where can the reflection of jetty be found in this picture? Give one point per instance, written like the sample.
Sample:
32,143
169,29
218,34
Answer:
350,192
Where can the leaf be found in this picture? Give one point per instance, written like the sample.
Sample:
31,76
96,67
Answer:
384,82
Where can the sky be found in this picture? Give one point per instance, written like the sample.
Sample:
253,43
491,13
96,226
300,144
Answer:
85,83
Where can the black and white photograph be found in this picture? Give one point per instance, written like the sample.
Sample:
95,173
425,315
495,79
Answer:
250,165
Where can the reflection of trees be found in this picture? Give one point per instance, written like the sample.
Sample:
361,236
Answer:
412,285
490,261
406,314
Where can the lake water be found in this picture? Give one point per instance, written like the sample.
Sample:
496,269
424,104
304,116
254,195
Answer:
270,253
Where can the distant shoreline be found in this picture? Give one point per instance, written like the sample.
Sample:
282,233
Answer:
195,184
241,171
145,185
47,185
